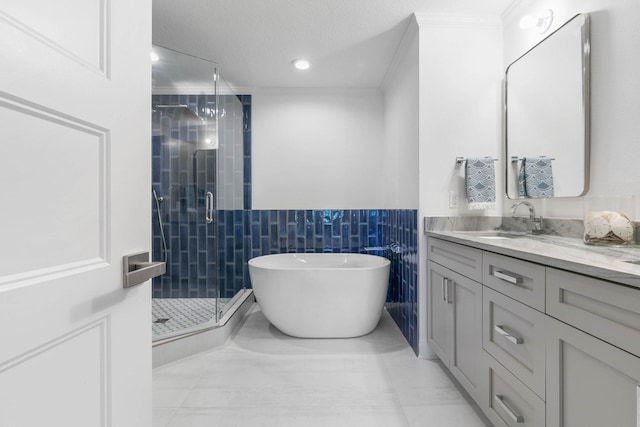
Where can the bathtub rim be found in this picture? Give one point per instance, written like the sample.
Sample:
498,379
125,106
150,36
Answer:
382,262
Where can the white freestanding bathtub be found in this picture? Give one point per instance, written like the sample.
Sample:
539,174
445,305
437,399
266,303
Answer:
321,295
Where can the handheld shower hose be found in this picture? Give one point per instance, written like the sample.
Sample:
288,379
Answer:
164,241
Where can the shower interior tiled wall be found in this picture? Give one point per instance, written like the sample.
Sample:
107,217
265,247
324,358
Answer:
245,233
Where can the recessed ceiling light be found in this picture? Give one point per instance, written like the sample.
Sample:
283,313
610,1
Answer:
301,64
154,57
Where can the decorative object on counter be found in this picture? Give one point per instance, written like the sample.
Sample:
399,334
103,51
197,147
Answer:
608,228
535,177
480,182
608,220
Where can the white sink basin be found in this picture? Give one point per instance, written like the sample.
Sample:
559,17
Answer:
495,234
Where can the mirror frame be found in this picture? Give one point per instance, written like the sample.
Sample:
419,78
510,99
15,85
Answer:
586,104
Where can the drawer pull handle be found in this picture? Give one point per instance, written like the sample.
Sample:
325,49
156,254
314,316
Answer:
507,277
444,288
514,339
515,417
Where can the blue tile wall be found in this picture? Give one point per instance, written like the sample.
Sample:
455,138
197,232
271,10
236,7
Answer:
402,300
182,174
179,176
246,121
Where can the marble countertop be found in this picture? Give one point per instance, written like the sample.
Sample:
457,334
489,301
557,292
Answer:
565,253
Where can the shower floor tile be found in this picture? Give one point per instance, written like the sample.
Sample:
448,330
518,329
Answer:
172,314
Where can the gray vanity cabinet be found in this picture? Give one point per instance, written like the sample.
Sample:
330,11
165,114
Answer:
589,383
534,345
454,332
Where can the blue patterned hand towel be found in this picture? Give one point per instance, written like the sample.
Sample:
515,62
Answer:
480,183
535,179
522,179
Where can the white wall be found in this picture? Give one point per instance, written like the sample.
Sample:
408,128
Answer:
401,119
460,95
317,149
615,92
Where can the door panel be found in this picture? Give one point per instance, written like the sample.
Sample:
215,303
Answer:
83,380
46,180
82,40
74,180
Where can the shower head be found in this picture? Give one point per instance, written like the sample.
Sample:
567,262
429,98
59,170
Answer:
179,112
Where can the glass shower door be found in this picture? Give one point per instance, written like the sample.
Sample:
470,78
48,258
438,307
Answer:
184,167
230,197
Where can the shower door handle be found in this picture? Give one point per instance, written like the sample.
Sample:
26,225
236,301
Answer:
209,208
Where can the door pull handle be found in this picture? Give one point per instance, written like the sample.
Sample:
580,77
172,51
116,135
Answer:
138,269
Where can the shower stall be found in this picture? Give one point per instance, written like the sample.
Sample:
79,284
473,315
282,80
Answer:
198,126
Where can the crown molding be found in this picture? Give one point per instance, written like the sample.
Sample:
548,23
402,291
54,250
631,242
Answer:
410,33
316,91
453,20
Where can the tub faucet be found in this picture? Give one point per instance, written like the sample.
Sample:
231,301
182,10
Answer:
534,224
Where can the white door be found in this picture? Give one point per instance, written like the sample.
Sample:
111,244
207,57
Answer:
75,88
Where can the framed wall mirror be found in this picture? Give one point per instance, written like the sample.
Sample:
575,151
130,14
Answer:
546,107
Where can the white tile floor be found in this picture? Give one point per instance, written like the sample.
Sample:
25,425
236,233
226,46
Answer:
262,377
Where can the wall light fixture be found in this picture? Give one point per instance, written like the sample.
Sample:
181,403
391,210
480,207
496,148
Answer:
542,23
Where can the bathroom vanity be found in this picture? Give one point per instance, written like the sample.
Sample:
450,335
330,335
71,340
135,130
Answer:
540,330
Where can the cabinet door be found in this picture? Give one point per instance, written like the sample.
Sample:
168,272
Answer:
589,383
466,315
438,312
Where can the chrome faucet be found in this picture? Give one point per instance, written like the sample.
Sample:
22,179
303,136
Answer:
534,224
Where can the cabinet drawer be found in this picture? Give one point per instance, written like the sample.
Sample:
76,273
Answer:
459,258
507,402
520,280
607,310
514,335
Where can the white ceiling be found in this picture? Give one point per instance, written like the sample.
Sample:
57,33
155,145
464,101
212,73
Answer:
351,43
